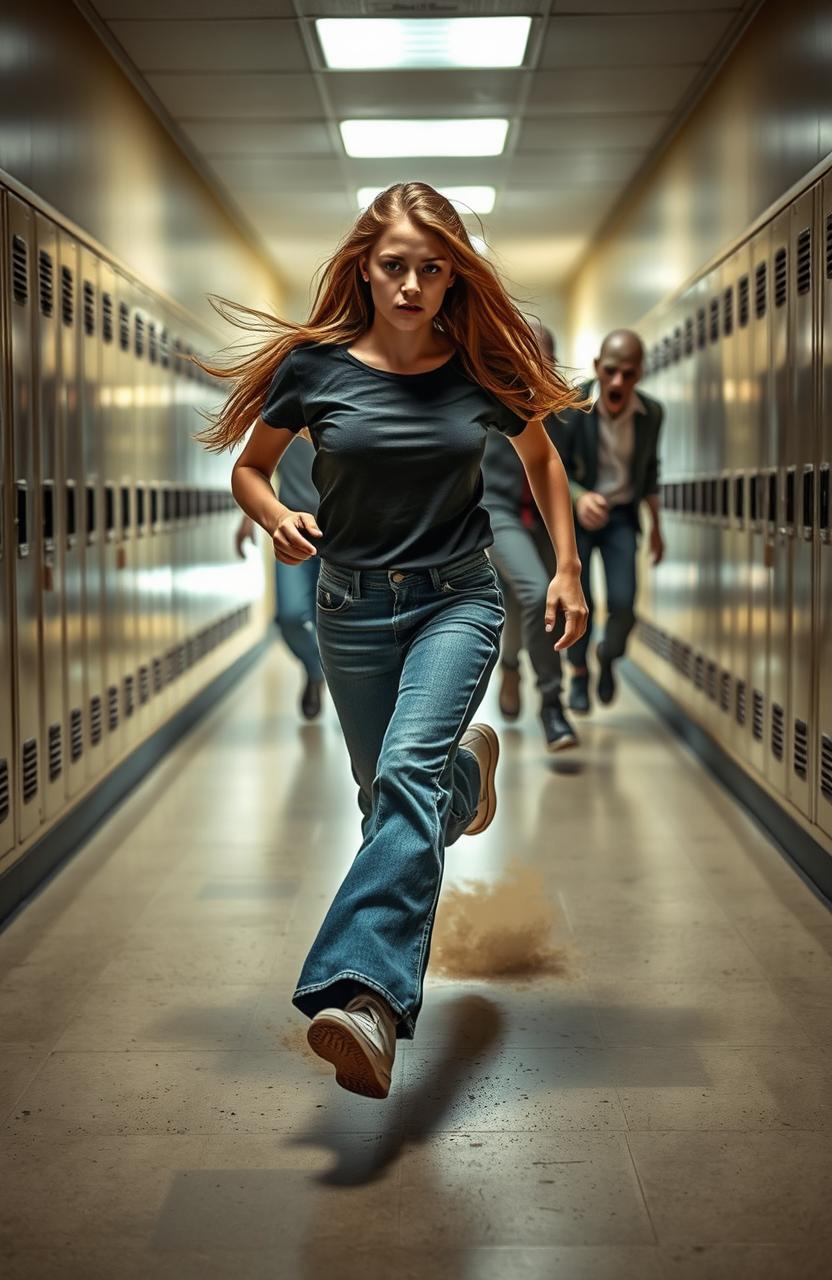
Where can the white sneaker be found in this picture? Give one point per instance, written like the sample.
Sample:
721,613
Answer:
360,1042
482,742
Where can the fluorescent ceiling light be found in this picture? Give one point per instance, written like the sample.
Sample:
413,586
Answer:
388,138
466,199
373,43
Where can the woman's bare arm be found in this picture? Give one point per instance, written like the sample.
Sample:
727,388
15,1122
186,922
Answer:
252,489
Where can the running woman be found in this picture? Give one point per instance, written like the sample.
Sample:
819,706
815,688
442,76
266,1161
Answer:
412,353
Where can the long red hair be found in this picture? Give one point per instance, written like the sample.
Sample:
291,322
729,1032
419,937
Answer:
495,343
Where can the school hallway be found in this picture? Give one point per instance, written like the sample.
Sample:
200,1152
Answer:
651,1098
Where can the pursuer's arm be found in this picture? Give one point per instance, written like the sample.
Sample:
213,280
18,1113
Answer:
551,490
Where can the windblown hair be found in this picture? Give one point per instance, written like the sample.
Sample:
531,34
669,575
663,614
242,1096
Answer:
497,346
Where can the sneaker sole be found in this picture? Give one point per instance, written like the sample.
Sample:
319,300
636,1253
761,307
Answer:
354,1069
562,744
490,790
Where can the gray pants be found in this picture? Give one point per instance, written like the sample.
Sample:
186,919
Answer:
525,560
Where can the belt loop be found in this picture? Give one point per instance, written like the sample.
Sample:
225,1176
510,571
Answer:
356,584
436,581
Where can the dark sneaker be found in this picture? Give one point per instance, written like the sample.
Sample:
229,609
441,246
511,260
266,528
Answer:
510,692
484,745
606,680
310,699
579,695
360,1042
558,730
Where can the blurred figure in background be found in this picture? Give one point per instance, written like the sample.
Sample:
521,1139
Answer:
611,455
295,586
524,559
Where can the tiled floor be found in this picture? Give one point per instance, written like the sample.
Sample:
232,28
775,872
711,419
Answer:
658,1105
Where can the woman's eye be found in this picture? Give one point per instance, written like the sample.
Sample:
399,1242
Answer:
391,266
432,269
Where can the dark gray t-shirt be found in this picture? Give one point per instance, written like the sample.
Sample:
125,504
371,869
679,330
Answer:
397,456
294,472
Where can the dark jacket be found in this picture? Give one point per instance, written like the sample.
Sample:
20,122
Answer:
575,434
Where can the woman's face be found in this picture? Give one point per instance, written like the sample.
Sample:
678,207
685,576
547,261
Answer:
408,270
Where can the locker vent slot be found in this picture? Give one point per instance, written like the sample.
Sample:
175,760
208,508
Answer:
56,755
129,696
760,290
825,768
112,708
95,720
67,296
829,246
144,685
701,331
152,348
123,326
757,715
4,790
667,351
699,672
76,734
89,309
164,349
20,270
725,691
781,277
139,335
46,273
804,261
29,769
689,336
171,661
777,731
158,679
714,320
677,345
743,300
710,685
740,702
728,312
106,317
801,748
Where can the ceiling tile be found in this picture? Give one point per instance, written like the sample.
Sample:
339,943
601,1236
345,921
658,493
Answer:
576,167
113,9
610,89
423,94
284,96
634,41
259,137
567,133
265,176
643,6
213,46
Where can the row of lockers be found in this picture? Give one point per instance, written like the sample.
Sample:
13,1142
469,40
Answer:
741,608
121,593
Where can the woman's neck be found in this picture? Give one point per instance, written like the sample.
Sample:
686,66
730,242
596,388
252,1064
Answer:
410,352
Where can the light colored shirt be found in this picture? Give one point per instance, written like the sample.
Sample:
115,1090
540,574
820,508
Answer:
616,445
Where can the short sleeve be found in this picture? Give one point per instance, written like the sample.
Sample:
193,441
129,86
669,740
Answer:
504,421
282,407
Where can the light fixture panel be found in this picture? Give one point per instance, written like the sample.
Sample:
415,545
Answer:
374,139
373,44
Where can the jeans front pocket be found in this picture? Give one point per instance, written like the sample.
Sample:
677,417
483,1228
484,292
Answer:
480,578
332,596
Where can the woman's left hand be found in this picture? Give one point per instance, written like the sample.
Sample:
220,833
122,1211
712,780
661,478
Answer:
565,596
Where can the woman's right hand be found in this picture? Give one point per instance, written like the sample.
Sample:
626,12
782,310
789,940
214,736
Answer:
290,545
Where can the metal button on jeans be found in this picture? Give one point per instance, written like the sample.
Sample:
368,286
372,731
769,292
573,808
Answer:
397,577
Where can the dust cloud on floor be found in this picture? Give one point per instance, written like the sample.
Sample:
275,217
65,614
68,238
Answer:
501,928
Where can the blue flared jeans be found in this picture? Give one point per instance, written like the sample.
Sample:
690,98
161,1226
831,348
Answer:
407,657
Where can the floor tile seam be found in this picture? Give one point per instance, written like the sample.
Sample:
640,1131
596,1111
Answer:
641,1189
6,1115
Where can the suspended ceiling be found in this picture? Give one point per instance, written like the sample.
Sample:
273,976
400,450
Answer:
244,88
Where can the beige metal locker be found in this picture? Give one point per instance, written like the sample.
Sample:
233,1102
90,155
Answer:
823,629
47,414
92,425
779,508
26,573
801,450
756,496
73,531
8,785
111,412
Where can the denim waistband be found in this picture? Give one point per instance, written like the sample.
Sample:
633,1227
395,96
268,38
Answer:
435,575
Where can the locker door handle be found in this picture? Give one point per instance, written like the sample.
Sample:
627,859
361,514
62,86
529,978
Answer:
22,518
808,503
109,512
789,528
823,513
92,513
71,514
48,517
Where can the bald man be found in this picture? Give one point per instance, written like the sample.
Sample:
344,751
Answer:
611,455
